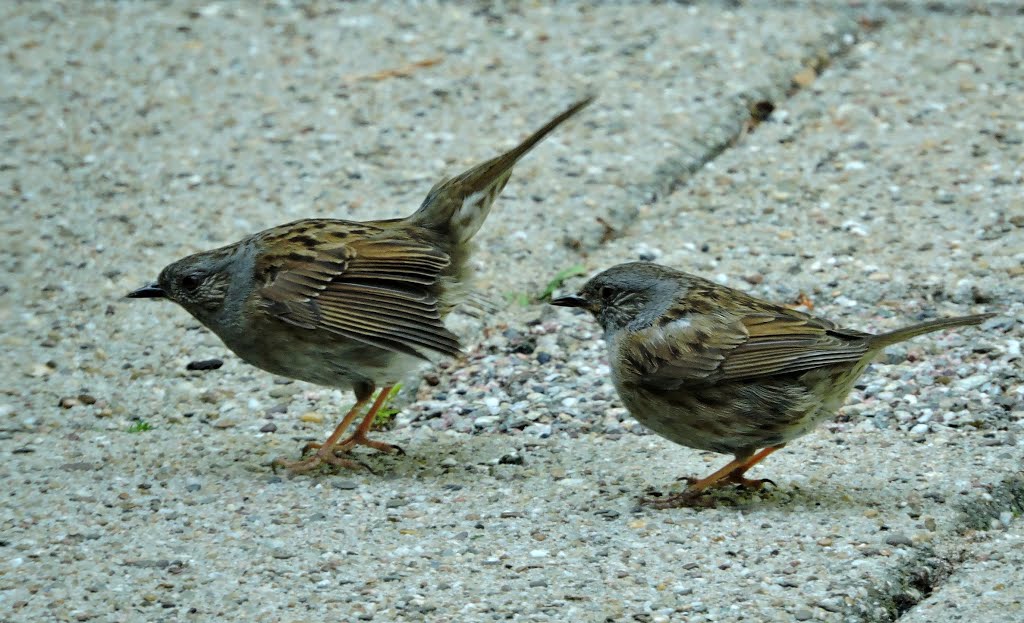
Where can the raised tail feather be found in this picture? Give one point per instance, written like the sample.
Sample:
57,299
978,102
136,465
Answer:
459,205
906,333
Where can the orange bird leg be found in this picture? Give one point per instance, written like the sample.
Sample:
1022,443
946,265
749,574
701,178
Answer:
731,473
359,437
325,452
736,476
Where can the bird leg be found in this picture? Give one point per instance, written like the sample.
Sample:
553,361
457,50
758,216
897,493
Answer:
359,437
731,473
736,475
325,452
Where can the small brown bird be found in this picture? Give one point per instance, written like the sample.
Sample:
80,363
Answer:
342,303
712,368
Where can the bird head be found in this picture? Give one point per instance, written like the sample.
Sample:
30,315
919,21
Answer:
200,283
626,295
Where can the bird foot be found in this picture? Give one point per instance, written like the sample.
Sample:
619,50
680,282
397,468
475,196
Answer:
698,492
322,456
754,484
357,439
685,499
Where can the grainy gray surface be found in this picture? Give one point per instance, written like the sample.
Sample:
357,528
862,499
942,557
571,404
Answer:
886,189
987,584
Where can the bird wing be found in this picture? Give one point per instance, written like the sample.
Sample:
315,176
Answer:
376,289
708,348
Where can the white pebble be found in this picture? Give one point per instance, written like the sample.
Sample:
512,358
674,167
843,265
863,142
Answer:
855,228
539,430
972,382
1013,349
539,553
919,429
485,421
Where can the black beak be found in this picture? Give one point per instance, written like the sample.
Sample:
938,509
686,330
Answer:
151,291
570,301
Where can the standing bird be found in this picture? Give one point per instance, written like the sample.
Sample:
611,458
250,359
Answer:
342,303
712,368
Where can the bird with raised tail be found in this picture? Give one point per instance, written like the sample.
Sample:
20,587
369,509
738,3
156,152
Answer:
712,368
347,304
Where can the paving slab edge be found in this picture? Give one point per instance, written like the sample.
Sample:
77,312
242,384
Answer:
914,580
836,41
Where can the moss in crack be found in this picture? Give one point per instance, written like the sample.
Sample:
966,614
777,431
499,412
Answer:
914,580
910,584
978,513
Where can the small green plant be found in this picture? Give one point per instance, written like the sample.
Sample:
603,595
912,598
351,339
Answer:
523,299
519,298
140,427
557,281
385,417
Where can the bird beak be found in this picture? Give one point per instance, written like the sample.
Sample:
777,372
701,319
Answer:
570,301
151,291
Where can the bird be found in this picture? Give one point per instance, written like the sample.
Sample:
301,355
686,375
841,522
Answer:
713,368
347,304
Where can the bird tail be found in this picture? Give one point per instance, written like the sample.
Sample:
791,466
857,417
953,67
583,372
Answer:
459,205
906,333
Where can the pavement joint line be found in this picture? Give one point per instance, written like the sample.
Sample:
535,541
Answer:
673,173
912,582
989,8
951,8
916,579
977,514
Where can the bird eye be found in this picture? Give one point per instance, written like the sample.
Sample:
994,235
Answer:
605,292
191,282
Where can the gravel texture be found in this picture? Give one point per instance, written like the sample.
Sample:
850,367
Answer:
885,187
989,580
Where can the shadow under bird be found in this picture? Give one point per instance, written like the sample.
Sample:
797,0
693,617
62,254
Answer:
715,369
342,303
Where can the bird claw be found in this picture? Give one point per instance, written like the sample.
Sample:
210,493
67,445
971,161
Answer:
754,484
685,499
338,455
313,445
700,497
328,457
345,446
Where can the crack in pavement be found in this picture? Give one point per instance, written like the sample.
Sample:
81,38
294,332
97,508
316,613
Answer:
744,111
915,580
912,581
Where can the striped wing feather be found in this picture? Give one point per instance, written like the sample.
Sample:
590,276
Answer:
709,349
376,291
